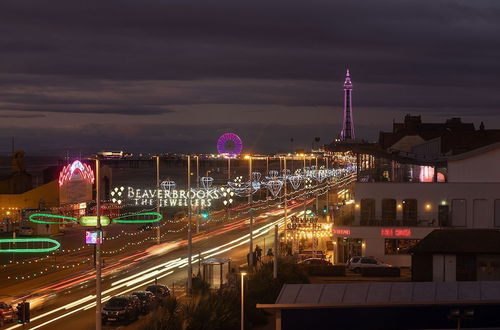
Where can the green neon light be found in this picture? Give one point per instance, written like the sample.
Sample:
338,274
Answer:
123,218
51,216
56,246
91,221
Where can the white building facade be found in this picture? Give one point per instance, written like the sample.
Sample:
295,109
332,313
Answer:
391,217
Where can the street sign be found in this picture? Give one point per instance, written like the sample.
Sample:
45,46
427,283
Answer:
91,220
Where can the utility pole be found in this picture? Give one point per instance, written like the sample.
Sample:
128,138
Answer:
158,234
285,230
267,173
198,186
190,238
98,317
250,246
276,251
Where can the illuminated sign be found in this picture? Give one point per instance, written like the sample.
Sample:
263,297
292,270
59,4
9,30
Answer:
91,220
300,222
136,218
91,236
169,198
342,231
56,219
15,245
395,232
76,168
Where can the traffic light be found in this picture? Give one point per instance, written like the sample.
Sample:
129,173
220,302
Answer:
325,209
204,214
23,312
20,313
27,312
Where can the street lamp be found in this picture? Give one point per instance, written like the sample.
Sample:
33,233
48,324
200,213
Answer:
157,197
190,238
243,300
197,186
98,316
250,188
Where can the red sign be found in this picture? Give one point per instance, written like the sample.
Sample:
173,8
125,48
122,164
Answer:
395,232
343,232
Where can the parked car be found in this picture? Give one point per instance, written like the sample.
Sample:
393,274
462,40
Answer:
121,308
315,262
6,313
25,231
159,290
356,263
148,300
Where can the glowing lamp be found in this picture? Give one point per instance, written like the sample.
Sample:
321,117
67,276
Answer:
17,249
91,221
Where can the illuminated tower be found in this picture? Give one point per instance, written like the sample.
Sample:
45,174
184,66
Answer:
347,132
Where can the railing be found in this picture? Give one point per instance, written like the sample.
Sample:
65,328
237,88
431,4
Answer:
400,222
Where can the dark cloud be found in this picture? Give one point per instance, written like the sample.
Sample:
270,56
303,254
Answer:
125,57
22,116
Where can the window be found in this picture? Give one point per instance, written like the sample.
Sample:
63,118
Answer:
497,212
410,211
480,213
459,212
368,261
399,246
388,211
367,211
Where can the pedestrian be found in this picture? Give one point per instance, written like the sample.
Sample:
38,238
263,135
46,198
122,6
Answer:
258,252
270,253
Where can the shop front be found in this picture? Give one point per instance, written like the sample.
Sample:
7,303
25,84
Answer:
310,235
389,244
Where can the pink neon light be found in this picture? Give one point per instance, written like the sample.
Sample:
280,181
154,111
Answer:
399,232
69,170
344,232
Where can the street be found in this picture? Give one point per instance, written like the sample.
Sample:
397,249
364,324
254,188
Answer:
74,303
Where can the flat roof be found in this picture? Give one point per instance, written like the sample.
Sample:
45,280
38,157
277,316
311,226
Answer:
379,294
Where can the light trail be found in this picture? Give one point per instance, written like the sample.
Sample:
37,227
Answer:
144,277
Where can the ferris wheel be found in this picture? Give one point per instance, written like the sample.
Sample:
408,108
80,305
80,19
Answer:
229,144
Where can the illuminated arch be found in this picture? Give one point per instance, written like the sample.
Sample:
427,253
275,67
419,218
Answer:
69,170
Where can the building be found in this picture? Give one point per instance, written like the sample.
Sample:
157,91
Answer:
457,255
386,305
399,199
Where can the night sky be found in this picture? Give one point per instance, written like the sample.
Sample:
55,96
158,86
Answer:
171,76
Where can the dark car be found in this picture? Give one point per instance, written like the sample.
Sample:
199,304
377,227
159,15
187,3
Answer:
315,262
159,290
121,308
148,300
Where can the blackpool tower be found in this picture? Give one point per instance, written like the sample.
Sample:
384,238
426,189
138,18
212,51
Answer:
347,132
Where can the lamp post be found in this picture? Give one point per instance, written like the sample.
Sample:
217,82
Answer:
228,167
250,246
243,300
190,239
197,186
98,316
284,186
157,197
276,251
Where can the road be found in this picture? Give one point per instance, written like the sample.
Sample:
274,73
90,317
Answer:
69,300
74,305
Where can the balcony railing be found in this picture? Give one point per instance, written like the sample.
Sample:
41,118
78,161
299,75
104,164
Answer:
401,222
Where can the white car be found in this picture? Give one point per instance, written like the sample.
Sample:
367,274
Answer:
25,231
356,263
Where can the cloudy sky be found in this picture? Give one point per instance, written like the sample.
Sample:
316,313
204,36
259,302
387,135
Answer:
170,76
